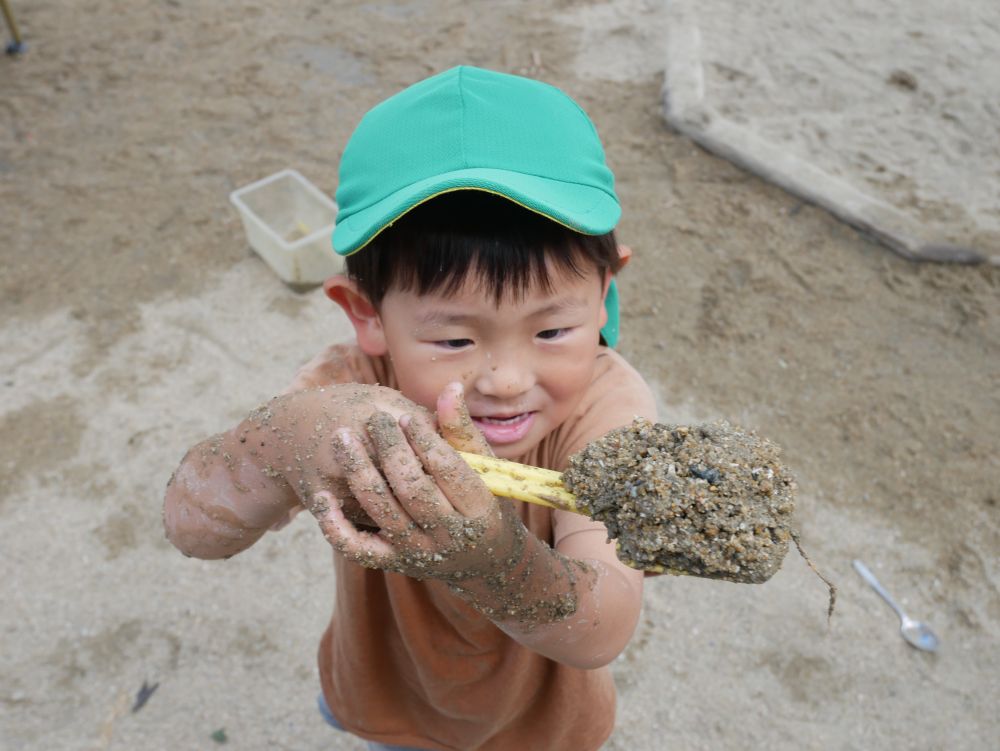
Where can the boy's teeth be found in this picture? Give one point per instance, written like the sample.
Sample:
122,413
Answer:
501,420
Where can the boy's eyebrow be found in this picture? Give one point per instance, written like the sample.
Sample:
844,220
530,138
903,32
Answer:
565,303
444,318
441,318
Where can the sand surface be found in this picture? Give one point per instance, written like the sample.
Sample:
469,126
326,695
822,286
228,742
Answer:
885,110
901,98
135,321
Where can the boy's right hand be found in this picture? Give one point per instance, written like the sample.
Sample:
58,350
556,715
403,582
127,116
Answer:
299,432
231,488
351,406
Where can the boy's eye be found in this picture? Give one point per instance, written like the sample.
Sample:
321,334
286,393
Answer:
551,333
454,343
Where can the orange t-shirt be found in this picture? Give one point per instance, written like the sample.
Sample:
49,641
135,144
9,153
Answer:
407,663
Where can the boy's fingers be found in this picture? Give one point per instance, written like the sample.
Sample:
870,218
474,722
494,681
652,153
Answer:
456,424
369,487
456,479
365,548
415,491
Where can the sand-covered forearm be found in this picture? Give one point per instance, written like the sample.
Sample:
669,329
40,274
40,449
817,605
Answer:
231,488
220,500
580,612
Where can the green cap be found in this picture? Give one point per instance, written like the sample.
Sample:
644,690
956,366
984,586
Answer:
474,129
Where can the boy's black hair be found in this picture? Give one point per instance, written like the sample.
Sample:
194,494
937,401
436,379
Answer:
433,247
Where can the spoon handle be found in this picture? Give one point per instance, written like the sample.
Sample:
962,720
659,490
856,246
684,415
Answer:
869,577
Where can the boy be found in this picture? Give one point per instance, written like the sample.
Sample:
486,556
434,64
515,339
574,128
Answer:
476,214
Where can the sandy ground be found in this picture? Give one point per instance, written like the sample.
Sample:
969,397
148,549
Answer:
898,99
135,321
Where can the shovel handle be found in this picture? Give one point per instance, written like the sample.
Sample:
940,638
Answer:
543,487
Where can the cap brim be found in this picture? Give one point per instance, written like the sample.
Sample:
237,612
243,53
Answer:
582,208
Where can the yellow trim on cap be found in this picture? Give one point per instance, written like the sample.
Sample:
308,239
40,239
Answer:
453,190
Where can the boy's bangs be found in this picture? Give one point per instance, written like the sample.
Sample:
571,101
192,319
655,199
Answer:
503,271
474,236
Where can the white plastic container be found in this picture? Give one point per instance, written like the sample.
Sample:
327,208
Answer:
289,222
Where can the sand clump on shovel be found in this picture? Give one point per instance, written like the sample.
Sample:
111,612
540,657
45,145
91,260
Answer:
713,500
706,500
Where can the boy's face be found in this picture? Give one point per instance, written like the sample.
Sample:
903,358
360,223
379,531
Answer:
524,364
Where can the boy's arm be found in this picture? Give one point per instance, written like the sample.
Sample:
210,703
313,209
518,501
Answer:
227,492
220,501
606,594
608,603
231,488
577,604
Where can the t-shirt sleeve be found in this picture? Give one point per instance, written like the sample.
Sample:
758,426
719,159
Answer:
339,363
618,394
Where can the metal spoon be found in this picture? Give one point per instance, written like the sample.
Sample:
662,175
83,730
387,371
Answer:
916,633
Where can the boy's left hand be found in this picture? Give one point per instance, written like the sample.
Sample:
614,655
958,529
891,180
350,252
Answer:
436,518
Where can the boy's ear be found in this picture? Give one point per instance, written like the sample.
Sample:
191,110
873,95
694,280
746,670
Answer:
624,255
362,314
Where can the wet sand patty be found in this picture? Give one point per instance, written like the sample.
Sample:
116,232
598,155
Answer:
709,500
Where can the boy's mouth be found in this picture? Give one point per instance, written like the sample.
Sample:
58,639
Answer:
509,429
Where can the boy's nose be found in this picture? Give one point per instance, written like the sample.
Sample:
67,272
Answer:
503,378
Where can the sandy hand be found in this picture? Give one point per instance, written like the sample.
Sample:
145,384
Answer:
292,438
436,519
